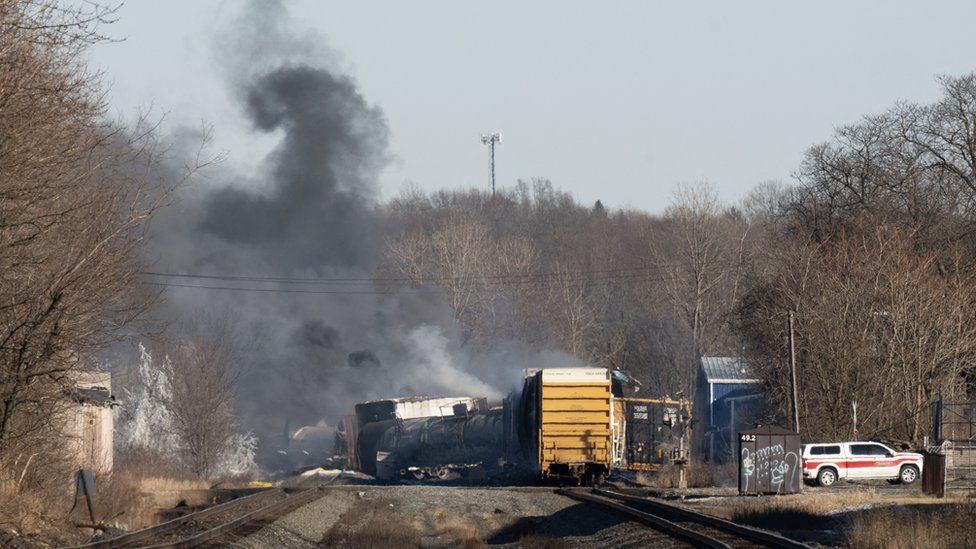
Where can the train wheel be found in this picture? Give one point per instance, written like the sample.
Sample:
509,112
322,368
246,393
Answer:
442,473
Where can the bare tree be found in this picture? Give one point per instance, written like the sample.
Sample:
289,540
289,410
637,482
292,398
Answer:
75,193
701,257
204,367
879,323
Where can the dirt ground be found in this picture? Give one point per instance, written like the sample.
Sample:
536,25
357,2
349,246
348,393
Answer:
843,515
863,514
433,516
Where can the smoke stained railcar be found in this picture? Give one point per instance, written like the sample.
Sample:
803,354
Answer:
654,432
565,422
361,455
432,447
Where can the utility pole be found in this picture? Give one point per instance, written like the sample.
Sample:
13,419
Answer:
794,407
490,139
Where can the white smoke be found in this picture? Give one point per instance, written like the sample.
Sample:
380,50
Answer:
431,359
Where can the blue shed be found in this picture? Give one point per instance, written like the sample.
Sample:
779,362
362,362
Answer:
718,376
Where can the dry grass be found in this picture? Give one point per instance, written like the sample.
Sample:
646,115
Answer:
379,533
824,504
28,511
372,523
697,475
925,526
148,464
130,502
865,518
789,516
121,499
117,502
462,530
794,508
35,494
160,484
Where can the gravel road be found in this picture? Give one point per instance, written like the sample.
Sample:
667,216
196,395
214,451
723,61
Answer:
438,516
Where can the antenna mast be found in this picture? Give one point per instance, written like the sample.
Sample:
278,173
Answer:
490,139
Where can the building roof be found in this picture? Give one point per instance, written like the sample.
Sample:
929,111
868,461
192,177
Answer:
92,387
96,396
726,369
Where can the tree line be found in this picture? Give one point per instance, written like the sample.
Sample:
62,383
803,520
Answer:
872,247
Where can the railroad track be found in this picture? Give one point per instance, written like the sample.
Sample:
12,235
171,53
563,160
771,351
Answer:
210,524
700,529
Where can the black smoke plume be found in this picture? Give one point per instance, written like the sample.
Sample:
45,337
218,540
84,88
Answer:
309,211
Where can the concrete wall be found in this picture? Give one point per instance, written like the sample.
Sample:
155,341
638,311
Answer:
90,424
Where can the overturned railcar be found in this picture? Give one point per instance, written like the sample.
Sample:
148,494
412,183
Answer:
432,447
567,423
365,413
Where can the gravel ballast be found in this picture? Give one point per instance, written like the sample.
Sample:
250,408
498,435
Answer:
440,516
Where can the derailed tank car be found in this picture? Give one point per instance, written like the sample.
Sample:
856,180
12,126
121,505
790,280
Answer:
567,423
347,436
432,447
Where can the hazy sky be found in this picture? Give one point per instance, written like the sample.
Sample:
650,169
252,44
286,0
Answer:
617,101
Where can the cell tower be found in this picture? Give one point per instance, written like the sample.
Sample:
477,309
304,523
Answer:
490,139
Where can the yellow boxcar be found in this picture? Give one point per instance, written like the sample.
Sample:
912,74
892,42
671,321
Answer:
574,422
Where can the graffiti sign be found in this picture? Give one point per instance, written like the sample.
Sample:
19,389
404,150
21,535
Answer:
769,463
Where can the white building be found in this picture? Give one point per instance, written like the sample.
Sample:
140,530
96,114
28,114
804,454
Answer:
90,424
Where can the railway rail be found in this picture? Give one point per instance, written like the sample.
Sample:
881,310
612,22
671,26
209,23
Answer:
210,524
700,529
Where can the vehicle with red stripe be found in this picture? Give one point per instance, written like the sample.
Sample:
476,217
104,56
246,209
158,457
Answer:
828,463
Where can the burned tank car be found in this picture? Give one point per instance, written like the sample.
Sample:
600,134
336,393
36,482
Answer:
422,447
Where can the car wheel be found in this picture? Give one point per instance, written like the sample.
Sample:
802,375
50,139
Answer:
908,474
826,477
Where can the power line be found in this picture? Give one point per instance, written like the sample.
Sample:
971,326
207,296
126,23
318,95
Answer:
624,272
541,280
275,290
325,280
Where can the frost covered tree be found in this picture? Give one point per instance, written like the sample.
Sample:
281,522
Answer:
145,420
182,408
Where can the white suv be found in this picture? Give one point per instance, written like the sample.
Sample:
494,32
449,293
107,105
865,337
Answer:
826,463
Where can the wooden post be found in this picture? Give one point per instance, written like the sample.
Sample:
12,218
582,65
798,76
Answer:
794,407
